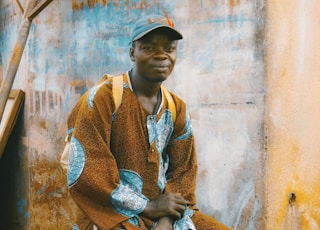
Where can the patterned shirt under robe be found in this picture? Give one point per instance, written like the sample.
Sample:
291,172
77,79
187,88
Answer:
120,161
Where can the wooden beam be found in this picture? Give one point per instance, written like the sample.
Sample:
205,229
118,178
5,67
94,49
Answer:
41,6
20,6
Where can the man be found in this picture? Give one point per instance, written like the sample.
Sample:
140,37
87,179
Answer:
135,167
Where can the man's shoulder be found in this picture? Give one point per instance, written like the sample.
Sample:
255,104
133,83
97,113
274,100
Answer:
99,90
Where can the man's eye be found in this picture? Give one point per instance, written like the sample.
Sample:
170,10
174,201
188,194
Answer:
170,48
148,48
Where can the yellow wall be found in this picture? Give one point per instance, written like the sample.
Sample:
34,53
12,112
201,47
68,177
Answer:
292,115
221,75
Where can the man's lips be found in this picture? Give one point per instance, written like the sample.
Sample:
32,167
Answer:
160,66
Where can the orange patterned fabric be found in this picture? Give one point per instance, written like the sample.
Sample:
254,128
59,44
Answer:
124,144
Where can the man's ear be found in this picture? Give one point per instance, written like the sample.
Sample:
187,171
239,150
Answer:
131,54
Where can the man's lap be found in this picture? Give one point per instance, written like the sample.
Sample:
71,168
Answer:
205,222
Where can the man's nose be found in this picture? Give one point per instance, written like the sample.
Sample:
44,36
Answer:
160,52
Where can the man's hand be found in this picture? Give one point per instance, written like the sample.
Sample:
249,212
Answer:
165,223
168,204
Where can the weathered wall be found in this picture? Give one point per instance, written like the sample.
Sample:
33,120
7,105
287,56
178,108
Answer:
292,116
220,73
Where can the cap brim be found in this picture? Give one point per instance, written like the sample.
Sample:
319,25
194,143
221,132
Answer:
175,34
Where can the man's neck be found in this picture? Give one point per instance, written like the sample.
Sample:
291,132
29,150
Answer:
142,87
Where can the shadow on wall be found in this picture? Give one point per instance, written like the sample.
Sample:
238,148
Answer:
13,209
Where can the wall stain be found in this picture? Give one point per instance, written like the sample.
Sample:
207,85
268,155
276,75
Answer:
129,5
51,103
49,192
233,3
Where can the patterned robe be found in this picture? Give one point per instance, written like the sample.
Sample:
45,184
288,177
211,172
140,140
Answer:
120,161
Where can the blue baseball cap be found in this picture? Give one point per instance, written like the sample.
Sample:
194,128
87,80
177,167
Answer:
149,23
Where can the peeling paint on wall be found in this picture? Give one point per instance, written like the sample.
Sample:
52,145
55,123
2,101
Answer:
8,28
142,4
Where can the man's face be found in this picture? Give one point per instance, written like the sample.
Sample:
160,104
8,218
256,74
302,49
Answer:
154,56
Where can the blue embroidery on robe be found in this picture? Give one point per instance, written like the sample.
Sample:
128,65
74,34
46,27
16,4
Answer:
127,198
93,91
77,159
70,131
162,179
160,132
185,223
187,129
134,220
125,85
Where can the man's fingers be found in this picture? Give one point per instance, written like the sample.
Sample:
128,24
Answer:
179,208
176,215
180,200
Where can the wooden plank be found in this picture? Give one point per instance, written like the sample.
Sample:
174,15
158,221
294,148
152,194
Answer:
13,106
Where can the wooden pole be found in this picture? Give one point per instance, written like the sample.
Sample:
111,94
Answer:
31,11
13,64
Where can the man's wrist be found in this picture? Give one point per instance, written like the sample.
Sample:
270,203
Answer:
166,220
163,223
150,211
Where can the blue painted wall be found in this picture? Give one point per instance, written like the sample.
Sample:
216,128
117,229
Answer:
219,72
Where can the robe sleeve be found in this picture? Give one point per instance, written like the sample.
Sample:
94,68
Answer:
93,177
182,171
